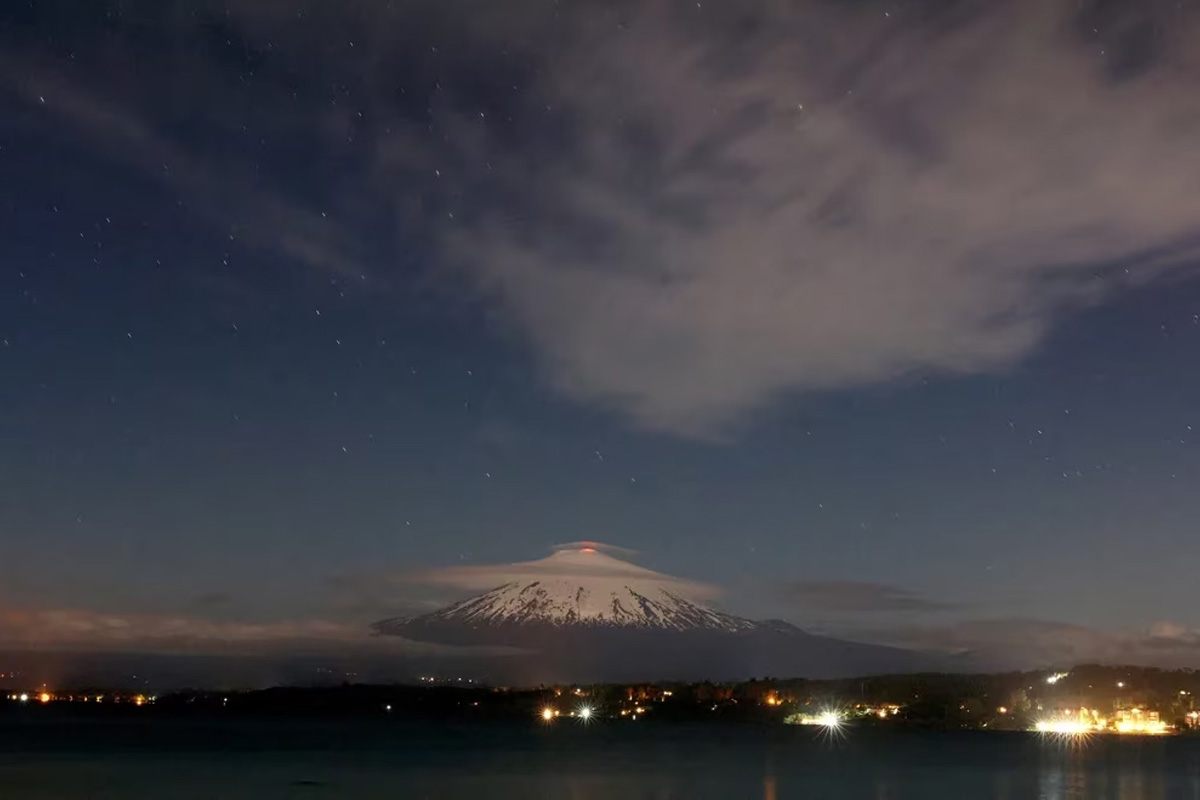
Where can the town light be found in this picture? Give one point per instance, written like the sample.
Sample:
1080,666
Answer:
1063,727
830,719
585,713
830,724
547,714
1151,727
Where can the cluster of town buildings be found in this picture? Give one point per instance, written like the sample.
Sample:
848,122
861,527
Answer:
1084,701
1058,703
45,697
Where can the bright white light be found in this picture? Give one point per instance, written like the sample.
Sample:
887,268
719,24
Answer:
1060,727
1056,677
24,698
1064,727
547,714
585,713
830,719
826,719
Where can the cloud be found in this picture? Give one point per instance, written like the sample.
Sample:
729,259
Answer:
859,597
86,629
568,563
1173,632
54,632
372,595
690,212
379,595
613,550
248,211
809,196
1022,643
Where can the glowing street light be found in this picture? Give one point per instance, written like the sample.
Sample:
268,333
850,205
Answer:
1063,727
547,714
829,719
585,713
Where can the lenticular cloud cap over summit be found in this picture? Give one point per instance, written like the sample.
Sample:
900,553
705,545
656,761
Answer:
578,561
576,585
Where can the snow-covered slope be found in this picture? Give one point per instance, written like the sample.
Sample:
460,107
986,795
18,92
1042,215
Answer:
583,587
558,602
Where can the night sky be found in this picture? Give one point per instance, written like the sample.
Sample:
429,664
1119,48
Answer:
882,316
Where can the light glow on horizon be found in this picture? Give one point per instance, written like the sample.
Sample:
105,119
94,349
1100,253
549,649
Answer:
1152,728
830,720
1136,721
1064,727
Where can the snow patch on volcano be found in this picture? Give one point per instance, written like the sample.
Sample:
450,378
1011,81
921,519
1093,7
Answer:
582,586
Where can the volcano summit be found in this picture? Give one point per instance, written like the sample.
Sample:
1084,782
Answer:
582,614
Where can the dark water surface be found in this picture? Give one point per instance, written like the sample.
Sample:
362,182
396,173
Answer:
188,759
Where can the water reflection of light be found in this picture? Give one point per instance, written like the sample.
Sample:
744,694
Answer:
1064,781
1002,790
769,789
1131,785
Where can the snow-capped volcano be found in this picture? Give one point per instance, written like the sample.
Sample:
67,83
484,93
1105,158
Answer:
586,587
582,614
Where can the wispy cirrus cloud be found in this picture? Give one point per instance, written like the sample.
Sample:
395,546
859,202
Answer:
228,198
569,562
691,212
792,197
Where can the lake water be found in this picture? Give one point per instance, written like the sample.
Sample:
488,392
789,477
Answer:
188,760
